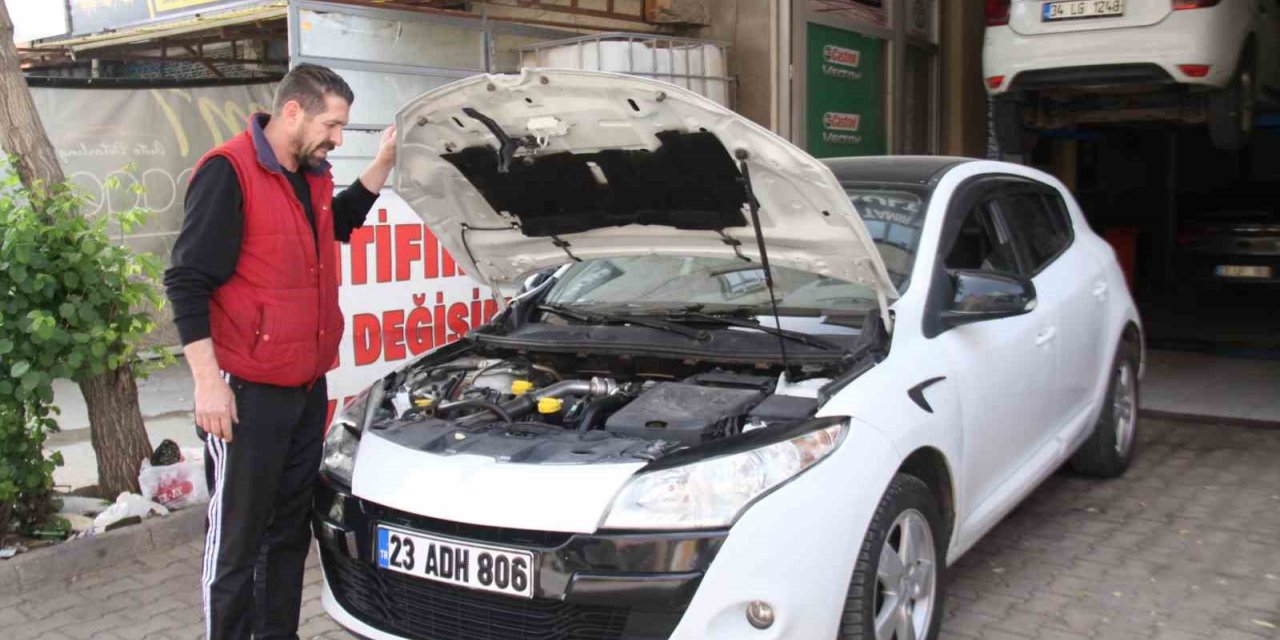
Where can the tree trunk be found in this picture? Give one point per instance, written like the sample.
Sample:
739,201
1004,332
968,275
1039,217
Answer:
115,420
115,427
21,132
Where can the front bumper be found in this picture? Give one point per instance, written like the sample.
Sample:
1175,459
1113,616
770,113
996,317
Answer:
794,549
589,587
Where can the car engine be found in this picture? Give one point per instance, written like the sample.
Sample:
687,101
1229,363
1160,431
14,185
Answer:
583,410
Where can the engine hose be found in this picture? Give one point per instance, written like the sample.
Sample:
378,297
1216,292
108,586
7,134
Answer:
491,407
593,388
598,406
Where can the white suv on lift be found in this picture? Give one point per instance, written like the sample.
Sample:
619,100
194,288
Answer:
1050,64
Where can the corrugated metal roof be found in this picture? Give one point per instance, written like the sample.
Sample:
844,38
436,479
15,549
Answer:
271,10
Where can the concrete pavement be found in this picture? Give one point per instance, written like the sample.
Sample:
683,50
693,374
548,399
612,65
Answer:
1184,547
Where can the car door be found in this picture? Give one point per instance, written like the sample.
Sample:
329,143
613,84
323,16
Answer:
1070,285
1004,368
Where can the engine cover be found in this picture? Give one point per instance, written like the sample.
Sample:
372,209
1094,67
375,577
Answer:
686,413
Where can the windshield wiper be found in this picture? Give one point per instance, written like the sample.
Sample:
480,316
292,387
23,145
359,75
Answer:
596,317
733,319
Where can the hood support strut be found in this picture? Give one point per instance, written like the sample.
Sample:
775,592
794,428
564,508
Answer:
754,206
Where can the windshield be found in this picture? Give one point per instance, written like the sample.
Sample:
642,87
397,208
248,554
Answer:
674,282
894,216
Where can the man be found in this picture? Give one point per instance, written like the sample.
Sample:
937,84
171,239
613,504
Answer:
255,301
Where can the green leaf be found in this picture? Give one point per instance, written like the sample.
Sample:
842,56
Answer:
20,368
6,346
67,311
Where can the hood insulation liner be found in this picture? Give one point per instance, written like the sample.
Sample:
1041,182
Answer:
690,182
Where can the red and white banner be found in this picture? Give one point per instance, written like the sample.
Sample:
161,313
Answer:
402,295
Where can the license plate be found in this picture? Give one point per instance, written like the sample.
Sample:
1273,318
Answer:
1243,271
1052,11
467,565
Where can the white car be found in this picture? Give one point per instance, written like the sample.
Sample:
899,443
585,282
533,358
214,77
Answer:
635,448
1050,64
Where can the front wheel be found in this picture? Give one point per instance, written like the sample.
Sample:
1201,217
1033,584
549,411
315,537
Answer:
1231,110
895,591
1011,133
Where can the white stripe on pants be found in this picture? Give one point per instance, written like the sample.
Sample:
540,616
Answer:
216,449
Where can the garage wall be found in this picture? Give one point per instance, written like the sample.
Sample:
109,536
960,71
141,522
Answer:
747,26
964,103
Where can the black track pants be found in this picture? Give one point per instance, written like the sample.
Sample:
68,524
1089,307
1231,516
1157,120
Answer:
260,487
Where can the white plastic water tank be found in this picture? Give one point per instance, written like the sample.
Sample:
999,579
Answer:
698,65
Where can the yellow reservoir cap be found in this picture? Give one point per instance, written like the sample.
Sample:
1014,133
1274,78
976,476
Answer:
521,387
550,405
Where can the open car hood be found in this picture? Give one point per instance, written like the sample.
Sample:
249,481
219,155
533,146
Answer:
519,172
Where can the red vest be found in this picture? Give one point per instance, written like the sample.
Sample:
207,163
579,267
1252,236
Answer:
277,321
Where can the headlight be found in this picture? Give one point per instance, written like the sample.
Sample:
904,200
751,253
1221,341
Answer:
343,438
712,493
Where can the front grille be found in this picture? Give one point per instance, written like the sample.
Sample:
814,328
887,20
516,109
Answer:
417,608
497,535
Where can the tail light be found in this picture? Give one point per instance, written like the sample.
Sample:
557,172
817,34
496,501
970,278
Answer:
1179,5
994,82
1194,70
998,12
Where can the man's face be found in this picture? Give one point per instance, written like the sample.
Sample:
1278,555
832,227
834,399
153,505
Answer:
318,134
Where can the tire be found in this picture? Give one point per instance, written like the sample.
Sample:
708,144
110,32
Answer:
907,506
1231,110
1011,133
1111,447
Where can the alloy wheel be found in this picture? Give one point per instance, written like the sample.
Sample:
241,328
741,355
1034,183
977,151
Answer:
906,579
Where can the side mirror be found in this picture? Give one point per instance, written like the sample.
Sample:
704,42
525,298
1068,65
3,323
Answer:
983,295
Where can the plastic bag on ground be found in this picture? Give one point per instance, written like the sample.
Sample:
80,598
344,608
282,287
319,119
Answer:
127,505
178,485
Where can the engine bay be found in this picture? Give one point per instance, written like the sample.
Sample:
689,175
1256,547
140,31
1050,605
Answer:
581,409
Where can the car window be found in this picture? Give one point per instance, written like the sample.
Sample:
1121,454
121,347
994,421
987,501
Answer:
672,282
984,242
1040,224
893,216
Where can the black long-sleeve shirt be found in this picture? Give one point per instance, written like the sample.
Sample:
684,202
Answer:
208,246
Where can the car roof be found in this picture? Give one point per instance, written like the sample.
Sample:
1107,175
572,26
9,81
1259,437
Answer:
922,171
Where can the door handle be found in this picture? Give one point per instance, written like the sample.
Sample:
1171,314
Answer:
1046,335
1100,290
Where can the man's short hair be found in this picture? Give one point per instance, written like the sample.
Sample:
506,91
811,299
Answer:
308,84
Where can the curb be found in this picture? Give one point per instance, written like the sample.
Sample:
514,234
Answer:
1224,421
64,562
